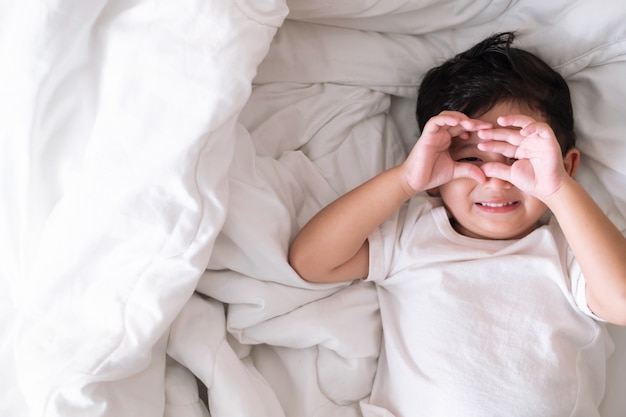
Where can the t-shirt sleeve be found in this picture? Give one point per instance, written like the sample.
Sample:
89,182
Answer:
381,246
384,241
579,286
377,269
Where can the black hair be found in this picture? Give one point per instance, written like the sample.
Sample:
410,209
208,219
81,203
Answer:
493,71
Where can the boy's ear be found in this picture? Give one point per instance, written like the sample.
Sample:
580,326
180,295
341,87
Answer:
433,192
571,161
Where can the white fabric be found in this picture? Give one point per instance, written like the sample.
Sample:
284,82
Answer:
119,124
127,162
314,357
235,388
397,16
478,327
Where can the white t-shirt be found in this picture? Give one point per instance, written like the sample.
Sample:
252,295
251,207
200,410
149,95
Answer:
481,328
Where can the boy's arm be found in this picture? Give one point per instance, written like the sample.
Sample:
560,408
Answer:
333,246
599,247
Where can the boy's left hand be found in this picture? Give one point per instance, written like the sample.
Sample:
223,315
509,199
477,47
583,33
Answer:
538,169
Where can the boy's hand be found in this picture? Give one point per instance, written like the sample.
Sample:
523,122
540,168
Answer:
538,169
429,164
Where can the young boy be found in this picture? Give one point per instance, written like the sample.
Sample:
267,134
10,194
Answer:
493,284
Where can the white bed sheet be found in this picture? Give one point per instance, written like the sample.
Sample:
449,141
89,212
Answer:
134,156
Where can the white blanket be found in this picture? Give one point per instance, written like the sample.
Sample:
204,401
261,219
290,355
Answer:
119,126
144,166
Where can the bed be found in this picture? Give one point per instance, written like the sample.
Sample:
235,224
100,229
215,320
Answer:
157,158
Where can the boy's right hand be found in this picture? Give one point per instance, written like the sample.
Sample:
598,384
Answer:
429,164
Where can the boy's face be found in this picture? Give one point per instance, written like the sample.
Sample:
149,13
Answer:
495,209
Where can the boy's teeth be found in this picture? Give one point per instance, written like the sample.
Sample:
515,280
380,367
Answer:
497,204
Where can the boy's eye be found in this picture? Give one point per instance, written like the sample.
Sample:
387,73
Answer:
471,159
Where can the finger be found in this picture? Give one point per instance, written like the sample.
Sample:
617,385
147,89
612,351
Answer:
458,131
528,126
440,121
496,170
466,126
455,123
475,124
515,120
543,130
511,136
454,118
503,148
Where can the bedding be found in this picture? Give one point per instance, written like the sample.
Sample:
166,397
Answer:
157,158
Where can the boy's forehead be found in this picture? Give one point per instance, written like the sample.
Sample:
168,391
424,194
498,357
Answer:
508,108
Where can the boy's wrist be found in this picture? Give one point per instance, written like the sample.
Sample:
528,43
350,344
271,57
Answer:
562,198
404,180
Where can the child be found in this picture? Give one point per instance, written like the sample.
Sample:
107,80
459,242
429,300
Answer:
493,284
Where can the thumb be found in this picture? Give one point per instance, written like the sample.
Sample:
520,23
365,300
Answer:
496,170
464,170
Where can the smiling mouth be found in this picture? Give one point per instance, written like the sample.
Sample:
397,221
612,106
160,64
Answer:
498,205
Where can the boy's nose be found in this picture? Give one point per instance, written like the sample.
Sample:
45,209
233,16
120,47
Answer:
498,184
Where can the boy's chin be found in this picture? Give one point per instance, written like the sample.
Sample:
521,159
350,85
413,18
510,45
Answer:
495,234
